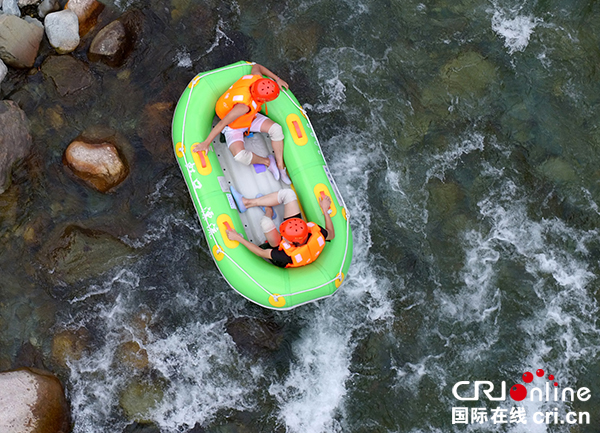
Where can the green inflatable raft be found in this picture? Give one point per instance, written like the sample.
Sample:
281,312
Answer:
209,177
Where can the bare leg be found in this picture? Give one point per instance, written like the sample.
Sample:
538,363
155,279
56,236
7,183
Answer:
286,196
277,145
237,146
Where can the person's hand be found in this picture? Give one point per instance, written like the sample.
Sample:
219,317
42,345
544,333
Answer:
232,235
199,147
282,83
325,203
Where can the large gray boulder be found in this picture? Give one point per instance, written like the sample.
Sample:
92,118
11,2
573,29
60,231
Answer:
19,41
15,140
31,401
62,29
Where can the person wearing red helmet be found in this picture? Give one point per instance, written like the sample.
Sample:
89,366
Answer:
239,110
297,243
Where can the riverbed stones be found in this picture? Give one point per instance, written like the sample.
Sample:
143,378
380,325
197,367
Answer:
68,74
87,12
62,29
31,401
98,164
19,41
15,139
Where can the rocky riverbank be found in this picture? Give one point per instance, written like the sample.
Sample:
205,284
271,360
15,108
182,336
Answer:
48,47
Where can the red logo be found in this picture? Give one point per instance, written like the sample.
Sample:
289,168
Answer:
518,392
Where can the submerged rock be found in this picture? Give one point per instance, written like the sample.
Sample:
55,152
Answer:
139,398
19,41
87,12
155,130
558,170
255,336
76,253
32,401
68,74
15,140
99,165
69,345
132,355
62,29
468,73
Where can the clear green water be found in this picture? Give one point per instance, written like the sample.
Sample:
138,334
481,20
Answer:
463,135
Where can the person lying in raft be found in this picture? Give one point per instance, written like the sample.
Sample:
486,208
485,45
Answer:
297,243
238,108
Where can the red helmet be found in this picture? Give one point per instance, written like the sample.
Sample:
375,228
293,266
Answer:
294,230
264,90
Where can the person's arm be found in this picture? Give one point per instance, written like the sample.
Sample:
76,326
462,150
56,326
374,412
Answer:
235,236
238,110
261,70
325,203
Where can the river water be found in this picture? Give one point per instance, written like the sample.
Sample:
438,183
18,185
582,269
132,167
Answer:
463,136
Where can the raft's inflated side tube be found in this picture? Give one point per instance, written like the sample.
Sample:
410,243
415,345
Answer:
251,276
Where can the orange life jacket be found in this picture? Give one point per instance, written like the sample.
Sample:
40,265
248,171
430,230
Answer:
239,93
307,253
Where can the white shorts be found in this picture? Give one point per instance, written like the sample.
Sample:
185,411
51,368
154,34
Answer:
233,135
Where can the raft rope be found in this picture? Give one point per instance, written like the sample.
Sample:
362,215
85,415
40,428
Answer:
203,213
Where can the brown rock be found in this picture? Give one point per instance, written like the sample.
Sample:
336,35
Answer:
110,44
100,165
19,41
87,11
32,401
131,354
115,42
15,139
68,344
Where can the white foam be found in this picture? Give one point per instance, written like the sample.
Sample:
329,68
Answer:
312,397
183,58
515,29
